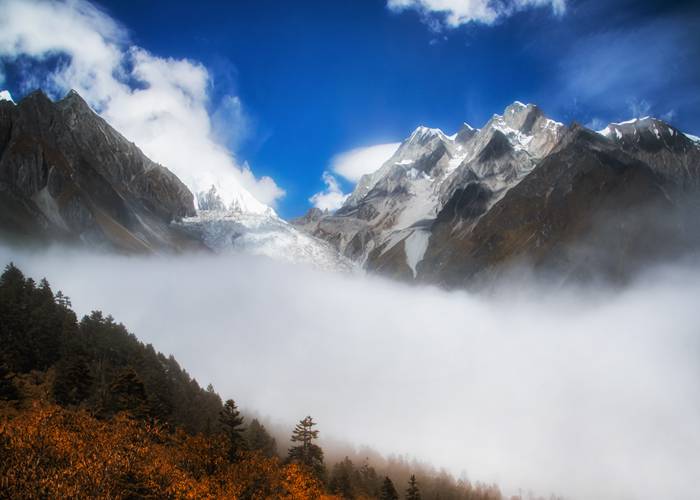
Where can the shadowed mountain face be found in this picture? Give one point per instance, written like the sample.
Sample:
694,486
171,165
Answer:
587,209
66,174
523,190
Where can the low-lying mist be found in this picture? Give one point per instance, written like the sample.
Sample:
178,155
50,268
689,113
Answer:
584,392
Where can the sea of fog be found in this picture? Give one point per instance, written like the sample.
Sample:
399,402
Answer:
584,392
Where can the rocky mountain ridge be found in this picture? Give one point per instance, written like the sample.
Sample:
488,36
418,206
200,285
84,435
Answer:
448,209
66,175
523,188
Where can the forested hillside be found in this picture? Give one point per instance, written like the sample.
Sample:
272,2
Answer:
86,409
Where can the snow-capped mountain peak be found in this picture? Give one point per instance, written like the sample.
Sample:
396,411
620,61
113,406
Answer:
635,126
527,128
230,198
397,202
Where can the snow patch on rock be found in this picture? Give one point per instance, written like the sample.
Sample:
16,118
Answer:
415,246
6,96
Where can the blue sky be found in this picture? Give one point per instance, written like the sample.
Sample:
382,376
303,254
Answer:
310,79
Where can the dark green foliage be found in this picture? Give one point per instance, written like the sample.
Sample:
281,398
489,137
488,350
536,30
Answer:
348,481
73,381
412,492
259,439
8,390
31,323
388,491
39,331
127,393
341,479
306,452
232,427
366,481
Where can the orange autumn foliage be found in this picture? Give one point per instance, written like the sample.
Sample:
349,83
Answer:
51,452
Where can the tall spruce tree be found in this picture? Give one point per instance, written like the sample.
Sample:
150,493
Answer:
341,479
367,482
259,439
232,425
388,491
306,452
8,390
128,394
73,380
412,492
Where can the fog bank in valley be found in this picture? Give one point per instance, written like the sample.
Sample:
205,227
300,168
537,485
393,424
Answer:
588,393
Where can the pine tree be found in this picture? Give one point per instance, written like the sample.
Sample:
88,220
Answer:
341,479
128,394
367,482
259,439
73,380
8,390
412,492
388,492
63,300
306,452
231,424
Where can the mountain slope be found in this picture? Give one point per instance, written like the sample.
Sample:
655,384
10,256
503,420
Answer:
385,223
524,188
584,210
66,174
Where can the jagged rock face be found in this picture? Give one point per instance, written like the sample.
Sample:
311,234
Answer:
583,210
386,221
666,149
65,173
460,209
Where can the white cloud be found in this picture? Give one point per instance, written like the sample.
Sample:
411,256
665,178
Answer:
159,103
357,162
669,115
639,107
351,165
231,124
454,13
596,124
332,198
561,390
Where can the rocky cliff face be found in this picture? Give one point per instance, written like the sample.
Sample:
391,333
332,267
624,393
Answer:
460,209
587,210
66,174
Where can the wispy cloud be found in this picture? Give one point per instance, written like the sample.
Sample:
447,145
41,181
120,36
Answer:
162,104
645,69
439,14
351,165
332,198
639,107
596,124
357,162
